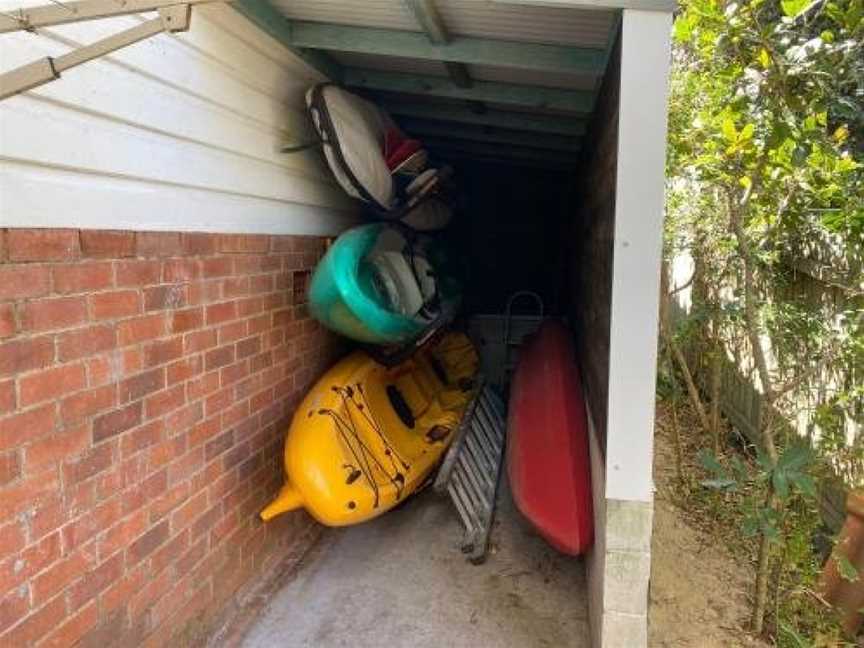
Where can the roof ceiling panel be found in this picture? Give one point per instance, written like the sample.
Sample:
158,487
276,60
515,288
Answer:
485,19
386,14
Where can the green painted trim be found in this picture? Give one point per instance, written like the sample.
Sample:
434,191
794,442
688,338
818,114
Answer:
424,128
267,18
427,17
578,101
495,118
499,151
479,51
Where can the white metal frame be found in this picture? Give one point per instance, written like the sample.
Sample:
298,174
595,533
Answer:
173,17
80,10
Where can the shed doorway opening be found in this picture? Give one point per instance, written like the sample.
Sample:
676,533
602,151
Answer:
534,157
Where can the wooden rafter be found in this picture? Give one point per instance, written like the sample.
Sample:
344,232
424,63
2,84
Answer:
479,51
499,151
497,118
430,128
578,101
427,16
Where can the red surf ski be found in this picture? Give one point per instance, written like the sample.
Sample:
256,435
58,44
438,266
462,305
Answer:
547,441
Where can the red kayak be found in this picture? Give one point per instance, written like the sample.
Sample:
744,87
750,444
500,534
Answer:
547,441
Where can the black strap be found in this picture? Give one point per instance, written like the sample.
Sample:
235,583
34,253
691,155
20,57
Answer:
302,147
329,139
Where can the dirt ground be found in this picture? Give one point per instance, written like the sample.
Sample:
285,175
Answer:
699,589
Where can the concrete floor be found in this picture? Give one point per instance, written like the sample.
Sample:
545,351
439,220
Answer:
401,581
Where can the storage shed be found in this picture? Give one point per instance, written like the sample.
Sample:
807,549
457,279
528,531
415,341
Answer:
156,243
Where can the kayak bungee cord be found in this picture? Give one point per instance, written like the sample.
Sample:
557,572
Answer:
398,480
366,470
366,411
344,427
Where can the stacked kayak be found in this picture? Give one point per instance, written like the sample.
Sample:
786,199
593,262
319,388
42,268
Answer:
367,436
383,284
547,442
373,161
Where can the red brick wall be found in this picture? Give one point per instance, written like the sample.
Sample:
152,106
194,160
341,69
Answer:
145,383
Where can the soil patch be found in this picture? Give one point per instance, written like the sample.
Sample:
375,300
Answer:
699,590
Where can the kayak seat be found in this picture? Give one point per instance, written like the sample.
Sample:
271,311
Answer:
413,393
397,282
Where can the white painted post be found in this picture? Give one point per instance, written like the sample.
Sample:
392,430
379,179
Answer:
645,62
623,551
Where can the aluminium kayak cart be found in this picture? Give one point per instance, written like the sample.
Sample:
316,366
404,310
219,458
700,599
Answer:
471,469
510,341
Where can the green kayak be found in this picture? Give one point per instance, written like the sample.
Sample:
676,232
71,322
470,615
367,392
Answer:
382,284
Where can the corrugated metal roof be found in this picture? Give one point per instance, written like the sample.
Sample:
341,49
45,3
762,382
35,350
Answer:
388,14
478,18
489,19
528,24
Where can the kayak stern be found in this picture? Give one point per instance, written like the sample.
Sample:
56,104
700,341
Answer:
288,499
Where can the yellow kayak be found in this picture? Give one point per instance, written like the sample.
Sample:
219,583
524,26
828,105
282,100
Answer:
367,436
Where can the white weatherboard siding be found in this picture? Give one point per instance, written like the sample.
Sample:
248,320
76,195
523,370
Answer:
178,132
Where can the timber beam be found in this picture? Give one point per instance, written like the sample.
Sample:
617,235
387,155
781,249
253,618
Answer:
476,51
426,128
578,101
427,17
493,118
499,151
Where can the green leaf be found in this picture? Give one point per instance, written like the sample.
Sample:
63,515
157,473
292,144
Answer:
847,570
770,531
718,484
795,457
834,12
750,526
781,484
729,130
739,469
746,133
710,463
805,484
792,8
683,29
764,58
790,633
764,460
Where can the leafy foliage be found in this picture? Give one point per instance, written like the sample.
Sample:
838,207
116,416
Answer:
766,178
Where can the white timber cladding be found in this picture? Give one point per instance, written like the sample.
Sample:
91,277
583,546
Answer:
178,132
645,60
